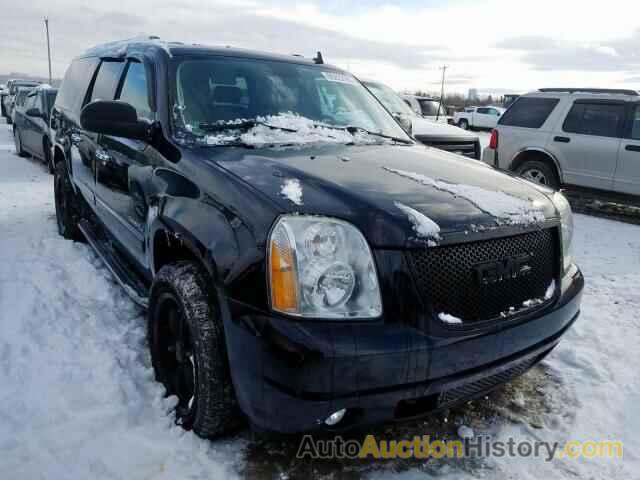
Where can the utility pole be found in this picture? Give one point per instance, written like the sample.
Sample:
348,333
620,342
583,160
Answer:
444,69
46,26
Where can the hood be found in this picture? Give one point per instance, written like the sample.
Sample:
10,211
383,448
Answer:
424,127
396,195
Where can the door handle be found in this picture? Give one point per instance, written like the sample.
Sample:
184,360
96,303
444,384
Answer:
75,138
561,139
632,148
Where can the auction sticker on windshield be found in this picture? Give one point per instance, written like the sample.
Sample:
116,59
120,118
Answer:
339,77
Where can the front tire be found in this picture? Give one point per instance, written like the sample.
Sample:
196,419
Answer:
67,210
188,350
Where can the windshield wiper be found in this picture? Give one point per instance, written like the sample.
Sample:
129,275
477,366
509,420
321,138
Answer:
353,129
244,125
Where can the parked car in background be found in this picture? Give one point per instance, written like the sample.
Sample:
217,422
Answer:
9,99
434,134
3,93
19,98
31,131
584,137
429,107
478,117
302,260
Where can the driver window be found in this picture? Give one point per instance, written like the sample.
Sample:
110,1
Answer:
135,90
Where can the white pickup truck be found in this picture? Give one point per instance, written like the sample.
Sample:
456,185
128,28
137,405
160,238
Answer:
478,117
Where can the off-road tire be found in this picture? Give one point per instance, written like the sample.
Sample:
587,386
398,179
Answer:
215,410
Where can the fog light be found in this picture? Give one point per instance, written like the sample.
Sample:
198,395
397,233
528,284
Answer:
335,417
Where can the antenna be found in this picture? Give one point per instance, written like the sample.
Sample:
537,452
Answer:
318,60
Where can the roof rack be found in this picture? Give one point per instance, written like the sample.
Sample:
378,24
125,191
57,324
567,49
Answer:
618,91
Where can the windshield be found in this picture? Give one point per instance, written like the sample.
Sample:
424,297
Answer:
390,99
216,99
16,86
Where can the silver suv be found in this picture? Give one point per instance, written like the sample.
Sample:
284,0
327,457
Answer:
583,137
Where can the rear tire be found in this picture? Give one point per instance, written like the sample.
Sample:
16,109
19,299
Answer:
67,209
539,172
188,350
464,124
46,153
17,140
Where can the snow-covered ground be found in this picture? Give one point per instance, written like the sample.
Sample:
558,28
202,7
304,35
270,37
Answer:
78,399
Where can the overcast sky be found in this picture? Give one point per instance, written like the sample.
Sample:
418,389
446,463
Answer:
491,45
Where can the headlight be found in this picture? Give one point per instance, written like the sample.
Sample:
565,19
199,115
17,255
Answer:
566,220
321,267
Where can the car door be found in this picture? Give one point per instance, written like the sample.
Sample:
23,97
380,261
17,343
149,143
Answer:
481,118
627,176
120,161
39,124
588,142
26,123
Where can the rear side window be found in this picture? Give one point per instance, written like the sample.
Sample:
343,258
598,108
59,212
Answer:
528,112
483,111
75,83
135,90
635,127
104,88
598,119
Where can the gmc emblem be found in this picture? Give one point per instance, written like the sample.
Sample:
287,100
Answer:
497,271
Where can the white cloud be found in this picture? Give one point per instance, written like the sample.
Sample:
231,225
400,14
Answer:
504,44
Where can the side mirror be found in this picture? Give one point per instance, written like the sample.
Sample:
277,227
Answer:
34,112
114,118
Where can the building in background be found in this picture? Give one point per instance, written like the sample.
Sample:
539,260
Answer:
473,94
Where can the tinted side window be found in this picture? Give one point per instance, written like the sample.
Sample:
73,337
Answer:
104,88
482,110
635,127
528,112
75,83
599,119
30,102
135,90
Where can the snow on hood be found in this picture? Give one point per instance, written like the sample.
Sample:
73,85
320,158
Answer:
505,208
422,126
292,190
423,226
290,129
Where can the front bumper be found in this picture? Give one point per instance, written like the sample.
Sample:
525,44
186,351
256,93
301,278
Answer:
291,375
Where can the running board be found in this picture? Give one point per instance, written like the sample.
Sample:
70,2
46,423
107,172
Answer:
127,279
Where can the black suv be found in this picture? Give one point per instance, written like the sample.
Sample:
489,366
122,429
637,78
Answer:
302,261
31,124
